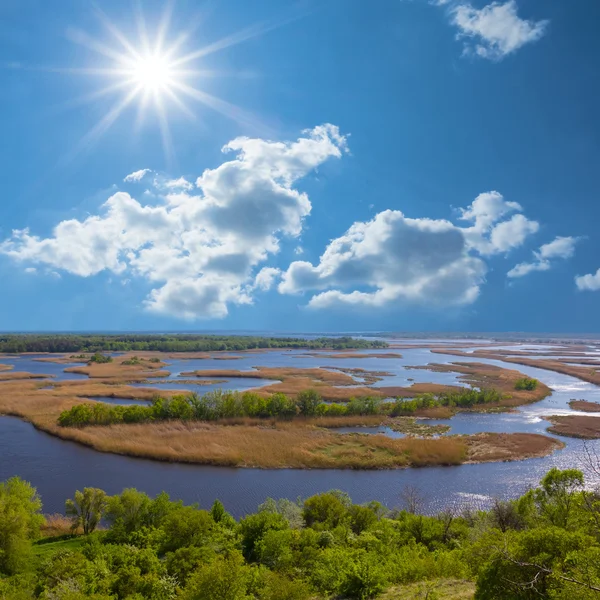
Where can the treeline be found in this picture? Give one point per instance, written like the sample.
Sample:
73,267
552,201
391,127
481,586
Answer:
219,404
171,343
543,545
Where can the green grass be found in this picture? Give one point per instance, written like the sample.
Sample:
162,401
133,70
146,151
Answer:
44,549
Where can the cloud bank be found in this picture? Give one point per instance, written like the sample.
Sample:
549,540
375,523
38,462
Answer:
198,250
393,258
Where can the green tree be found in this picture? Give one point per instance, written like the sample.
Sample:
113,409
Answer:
308,402
328,510
20,522
557,495
225,578
86,509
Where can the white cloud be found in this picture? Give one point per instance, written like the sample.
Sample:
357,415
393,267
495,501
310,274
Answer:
495,30
199,251
589,283
265,278
298,250
136,176
31,270
178,185
489,234
559,248
393,258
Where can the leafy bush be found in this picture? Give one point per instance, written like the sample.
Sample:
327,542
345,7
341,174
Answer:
525,383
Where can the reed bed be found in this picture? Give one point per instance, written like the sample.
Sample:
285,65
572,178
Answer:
577,426
499,447
585,405
57,524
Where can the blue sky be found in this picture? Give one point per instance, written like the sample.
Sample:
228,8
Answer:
396,165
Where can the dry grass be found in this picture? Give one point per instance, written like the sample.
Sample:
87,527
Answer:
438,589
590,374
19,375
577,426
56,525
490,376
585,405
500,447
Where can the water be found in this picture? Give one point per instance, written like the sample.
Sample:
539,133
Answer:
58,467
32,364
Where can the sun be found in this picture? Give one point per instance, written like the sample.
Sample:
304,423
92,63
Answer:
153,73
156,74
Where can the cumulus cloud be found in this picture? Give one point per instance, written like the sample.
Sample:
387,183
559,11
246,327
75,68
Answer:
265,278
489,234
559,248
391,258
394,258
496,30
588,283
137,176
198,250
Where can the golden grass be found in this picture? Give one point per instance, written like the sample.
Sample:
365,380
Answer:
19,375
56,525
116,370
577,426
585,405
270,445
438,589
590,374
500,447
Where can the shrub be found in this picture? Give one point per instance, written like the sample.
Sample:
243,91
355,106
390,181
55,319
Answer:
525,383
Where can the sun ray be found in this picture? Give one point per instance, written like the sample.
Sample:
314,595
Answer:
104,124
87,98
165,22
83,39
226,42
116,32
141,26
165,132
180,103
227,109
157,73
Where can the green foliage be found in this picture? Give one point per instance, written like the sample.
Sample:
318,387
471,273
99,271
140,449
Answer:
20,522
545,544
463,398
16,343
100,358
526,383
308,402
86,509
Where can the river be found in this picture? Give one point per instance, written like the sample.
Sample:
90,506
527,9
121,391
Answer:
57,468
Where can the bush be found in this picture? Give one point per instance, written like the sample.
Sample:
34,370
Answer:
100,358
525,383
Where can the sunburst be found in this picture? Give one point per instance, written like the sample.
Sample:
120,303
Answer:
154,73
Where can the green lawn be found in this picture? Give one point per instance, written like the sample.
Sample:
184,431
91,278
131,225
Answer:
46,549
